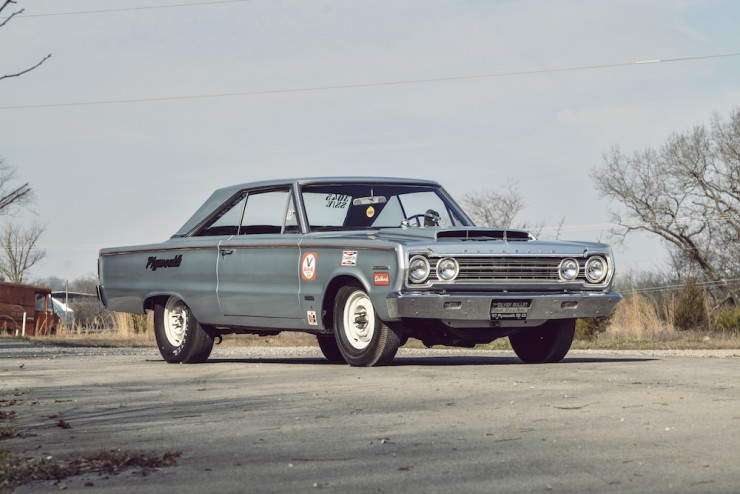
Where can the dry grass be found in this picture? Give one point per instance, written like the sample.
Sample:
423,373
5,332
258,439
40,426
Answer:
638,322
286,338
636,318
136,330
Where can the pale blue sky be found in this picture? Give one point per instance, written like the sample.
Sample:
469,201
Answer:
128,173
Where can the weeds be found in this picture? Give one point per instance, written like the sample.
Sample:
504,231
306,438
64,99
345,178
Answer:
7,432
16,470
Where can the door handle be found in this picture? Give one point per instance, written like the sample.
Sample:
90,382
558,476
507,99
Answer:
225,252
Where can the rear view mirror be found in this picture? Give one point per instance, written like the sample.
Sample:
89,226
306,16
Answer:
368,201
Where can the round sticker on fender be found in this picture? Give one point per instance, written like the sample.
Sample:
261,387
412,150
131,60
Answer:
308,266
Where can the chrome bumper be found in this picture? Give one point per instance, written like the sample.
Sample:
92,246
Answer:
465,307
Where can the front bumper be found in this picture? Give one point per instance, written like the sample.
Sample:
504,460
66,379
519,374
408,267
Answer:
474,310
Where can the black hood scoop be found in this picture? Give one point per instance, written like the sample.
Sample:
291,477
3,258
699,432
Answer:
481,234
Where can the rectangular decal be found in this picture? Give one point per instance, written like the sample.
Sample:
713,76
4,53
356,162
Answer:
381,279
311,316
349,258
308,266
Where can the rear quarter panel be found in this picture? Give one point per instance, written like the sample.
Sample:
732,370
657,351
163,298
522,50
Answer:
185,268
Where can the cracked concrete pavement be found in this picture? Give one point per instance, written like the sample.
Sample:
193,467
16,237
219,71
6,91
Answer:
258,419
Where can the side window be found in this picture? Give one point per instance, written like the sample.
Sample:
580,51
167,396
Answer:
291,217
267,211
227,220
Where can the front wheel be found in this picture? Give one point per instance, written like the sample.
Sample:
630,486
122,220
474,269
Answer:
180,338
329,347
363,339
544,344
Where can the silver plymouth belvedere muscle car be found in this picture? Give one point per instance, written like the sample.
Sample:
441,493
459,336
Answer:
362,263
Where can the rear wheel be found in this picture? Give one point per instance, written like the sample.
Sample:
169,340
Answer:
548,343
180,338
363,339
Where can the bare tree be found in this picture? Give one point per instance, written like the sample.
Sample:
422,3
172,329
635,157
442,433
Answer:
498,209
687,193
491,208
11,194
3,22
18,251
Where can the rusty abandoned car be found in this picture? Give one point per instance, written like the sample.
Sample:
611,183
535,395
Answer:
26,310
362,263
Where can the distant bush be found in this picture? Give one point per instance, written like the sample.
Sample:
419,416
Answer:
727,320
691,311
589,329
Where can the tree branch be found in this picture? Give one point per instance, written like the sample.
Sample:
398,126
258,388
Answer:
27,70
15,196
7,19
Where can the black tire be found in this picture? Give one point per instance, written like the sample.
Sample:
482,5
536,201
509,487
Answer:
363,339
548,343
180,338
329,348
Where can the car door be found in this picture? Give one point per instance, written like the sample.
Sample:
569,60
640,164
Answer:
257,267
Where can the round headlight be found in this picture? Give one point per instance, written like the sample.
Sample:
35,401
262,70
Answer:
596,269
447,269
418,269
568,269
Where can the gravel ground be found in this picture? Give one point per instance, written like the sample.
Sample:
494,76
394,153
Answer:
282,419
21,349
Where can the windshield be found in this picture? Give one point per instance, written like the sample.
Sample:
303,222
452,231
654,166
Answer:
351,206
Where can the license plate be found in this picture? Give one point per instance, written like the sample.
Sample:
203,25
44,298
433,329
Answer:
510,310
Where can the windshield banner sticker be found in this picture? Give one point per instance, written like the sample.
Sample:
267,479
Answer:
337,201
308,266
349,258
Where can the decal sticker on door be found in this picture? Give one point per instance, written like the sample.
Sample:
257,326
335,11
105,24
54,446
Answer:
349,258
308,266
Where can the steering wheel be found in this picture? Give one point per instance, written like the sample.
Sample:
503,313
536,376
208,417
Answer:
433,219
415,217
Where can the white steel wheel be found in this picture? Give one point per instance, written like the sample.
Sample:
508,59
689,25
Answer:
359,320
363,339
176,315
180,338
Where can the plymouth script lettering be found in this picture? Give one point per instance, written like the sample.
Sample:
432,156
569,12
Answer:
154,264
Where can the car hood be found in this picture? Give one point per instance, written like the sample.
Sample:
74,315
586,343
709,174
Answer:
478,240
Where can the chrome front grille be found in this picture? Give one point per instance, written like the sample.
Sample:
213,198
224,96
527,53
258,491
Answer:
482,269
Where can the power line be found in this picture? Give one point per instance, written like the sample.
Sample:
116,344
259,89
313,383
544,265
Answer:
129,9
669,288
679,220
366,84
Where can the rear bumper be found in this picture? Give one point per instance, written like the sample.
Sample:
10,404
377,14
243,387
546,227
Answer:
100,291
461,309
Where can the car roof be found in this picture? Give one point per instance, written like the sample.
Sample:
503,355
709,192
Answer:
323,180
223,194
